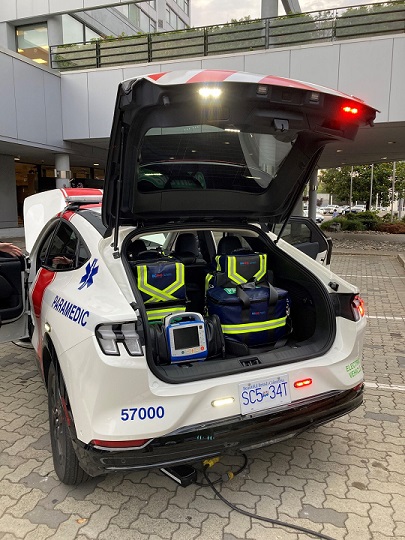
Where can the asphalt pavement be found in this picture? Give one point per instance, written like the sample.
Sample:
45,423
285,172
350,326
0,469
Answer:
345,479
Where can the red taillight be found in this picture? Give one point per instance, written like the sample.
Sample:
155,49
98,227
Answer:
119,444
302,383
358,307
349,109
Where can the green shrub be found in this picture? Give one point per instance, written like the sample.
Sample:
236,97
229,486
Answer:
330,224
369,219
353,225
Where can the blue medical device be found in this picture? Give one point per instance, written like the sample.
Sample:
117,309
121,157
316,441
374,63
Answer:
186,339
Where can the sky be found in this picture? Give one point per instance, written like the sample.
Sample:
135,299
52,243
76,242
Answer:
208,12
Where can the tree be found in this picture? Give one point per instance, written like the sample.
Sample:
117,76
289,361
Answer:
337,182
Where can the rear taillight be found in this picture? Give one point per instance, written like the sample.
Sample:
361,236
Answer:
116,445
110,335
302,383
358,307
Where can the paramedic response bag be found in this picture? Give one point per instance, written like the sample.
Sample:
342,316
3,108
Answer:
252,315
161,284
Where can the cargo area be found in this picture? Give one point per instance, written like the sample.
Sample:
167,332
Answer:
258,306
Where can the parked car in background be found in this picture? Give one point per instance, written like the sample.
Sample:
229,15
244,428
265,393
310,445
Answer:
318,217
355,209
329,209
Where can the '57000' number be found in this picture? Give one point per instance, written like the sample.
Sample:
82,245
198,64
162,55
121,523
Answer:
142,413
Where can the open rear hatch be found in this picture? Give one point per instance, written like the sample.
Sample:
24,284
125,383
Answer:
221,144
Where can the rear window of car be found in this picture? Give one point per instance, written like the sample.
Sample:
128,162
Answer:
208,157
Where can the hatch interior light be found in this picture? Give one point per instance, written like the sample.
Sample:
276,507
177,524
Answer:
207,92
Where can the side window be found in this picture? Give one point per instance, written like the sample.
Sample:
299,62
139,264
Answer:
64,250
42,252
294,233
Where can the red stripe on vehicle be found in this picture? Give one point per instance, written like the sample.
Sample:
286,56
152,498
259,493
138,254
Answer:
68,215
281,81
78,192
156,76
43,280
209,75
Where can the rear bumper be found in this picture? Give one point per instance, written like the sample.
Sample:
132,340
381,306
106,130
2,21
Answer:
244,434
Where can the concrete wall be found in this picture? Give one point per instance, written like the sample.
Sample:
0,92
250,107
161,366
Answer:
30,103
372,69
8,193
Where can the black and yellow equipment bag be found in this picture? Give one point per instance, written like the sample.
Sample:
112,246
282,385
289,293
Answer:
256,316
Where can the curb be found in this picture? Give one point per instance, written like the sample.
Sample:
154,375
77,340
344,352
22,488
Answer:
401,259
364,252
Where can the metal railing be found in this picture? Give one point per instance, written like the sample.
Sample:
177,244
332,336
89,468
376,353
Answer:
298,29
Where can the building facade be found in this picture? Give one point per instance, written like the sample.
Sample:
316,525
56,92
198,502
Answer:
34,155
31,27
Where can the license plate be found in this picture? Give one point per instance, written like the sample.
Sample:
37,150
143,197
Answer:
264,394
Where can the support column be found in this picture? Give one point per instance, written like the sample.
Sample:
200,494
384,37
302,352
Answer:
62,170
8,193
313,194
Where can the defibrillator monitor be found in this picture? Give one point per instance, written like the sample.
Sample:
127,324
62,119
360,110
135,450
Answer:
185,333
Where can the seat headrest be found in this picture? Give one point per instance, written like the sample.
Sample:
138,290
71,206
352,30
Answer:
228,244
187,242
135,248
186,248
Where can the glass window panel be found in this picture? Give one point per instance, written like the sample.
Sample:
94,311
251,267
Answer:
144,22
32,42
134,15
210,157
123,9
90,34
72,30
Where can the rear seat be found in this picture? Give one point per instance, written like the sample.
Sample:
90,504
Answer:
195,268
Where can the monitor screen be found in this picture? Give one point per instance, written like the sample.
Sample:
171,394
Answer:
186,338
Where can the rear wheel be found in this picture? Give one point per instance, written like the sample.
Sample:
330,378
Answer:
64,457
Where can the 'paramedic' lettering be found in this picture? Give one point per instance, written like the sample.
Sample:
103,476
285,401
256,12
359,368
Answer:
71,311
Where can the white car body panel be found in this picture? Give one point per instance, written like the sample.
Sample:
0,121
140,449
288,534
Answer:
113,383
108,299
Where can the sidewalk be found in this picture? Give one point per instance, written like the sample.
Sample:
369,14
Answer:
345,479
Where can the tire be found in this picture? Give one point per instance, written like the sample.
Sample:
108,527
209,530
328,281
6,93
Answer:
65,461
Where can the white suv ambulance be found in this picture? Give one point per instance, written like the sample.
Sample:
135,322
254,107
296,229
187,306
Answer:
173,322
